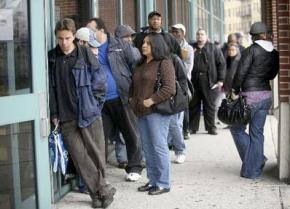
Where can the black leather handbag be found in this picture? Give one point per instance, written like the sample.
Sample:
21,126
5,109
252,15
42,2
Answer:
234,112
175,104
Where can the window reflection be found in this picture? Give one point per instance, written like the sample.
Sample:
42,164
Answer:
17,167
15,62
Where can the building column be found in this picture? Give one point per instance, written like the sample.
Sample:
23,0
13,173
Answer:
193,20
120,12
94,8
210,24
284,142
149,7
222,17
283,40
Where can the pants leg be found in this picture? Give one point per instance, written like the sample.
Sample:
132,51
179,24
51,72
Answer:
175,136
254,159
154,131
147,145
195,111
186,121
241,139
86,147
109,127
209,108
120,149
124,119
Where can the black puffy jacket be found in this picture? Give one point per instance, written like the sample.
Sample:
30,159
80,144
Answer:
256,68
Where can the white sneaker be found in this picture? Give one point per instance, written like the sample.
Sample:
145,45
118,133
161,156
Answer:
180,158
133,177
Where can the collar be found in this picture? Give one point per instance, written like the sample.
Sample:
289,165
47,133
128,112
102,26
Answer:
59,52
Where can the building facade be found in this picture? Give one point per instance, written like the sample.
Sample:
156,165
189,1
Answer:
26,34
276,13
240,14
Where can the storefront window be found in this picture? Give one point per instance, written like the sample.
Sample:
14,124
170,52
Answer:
217,25
202,19
203,3
17,167
216,8
15,62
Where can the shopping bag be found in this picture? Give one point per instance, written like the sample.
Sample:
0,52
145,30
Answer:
58,152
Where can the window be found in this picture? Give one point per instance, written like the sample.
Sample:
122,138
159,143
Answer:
15,63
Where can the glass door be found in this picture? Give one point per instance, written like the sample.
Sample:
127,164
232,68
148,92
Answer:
24,161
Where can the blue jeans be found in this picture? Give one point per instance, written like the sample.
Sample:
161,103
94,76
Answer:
175,135
120,148
154,131
251,145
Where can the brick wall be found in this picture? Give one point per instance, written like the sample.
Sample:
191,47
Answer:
283,40
129,14
66,8
108,12
75,9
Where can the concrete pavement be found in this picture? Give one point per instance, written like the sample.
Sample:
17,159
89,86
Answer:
209,179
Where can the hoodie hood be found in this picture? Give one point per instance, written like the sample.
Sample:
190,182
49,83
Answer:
267,45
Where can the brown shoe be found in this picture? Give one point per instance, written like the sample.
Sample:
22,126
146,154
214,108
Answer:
97,202
108,195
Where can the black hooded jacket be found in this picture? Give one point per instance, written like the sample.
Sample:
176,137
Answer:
256,68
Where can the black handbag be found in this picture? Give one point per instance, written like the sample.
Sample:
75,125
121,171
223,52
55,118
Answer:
175,104
234,112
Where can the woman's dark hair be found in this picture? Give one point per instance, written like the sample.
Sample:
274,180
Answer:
159,48
262,36
100,23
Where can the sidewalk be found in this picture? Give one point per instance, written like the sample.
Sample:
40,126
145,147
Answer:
209,179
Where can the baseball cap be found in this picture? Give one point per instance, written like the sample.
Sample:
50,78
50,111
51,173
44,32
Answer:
86,34
258,28
179,26
123,31
151,14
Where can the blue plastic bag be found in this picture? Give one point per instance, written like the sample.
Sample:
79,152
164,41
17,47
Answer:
58,152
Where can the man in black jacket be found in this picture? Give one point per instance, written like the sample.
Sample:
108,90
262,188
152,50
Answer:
155,23
207,76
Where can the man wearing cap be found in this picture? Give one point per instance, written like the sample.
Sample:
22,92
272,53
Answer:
187,55
155,23
117,58
86,37
208,74
77,88
259,65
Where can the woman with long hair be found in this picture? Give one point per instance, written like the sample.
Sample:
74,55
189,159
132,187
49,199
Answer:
152,125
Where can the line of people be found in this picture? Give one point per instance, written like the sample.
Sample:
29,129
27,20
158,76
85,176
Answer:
102,89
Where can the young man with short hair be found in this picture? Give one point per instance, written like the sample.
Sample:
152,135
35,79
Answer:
77,89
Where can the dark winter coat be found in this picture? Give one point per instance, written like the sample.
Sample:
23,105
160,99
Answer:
256,68
90,81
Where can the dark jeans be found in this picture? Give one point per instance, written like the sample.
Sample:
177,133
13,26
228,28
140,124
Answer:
116,116
205,96
251,145
87,150
186,120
